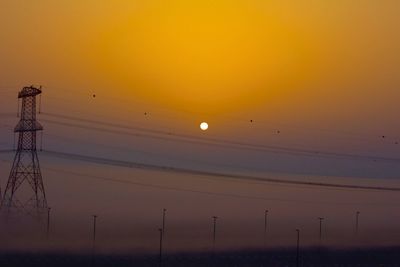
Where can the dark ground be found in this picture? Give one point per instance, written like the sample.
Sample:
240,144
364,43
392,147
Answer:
385,257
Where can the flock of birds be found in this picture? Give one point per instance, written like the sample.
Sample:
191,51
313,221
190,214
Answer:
252,121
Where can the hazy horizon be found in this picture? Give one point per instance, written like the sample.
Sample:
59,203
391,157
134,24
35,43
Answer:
302,92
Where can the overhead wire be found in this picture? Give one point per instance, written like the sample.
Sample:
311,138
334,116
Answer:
209,193
164,135
275,125
163,168
144,132
218,194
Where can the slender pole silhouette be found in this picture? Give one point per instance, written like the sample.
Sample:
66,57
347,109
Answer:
94,232
357,222
320,228
163,221
265,226
298,248
48,223
161,247
214,230
94,240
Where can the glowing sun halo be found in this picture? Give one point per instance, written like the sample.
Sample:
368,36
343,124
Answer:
204,126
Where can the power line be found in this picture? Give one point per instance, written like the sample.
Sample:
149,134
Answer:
213,141
152,154
228,179
235,166
218,194
161,168
169,136
278,125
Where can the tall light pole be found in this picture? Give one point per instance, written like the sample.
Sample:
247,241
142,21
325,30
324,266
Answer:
320,228
94,232
214,230
94,240
298,248
48,223
265,226
163,221
161,247
357,221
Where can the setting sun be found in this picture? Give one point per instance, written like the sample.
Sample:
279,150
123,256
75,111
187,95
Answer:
204,126
199,133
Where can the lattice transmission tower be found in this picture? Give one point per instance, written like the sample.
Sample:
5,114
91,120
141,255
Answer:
25,192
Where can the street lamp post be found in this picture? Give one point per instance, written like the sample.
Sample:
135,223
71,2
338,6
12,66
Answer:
161,247
320,228
163,221
265,226
94,232
357,221
48,223
298,248
94,240
214,230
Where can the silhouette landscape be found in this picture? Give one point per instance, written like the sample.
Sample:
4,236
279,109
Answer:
199,133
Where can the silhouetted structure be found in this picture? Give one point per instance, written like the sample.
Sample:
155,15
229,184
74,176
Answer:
163,221
298,248
214,230
93,260
161,247
357,222
25,192
265,226
94,233
48,223
320,229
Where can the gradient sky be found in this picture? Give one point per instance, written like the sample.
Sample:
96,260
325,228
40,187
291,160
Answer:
212,56
316,75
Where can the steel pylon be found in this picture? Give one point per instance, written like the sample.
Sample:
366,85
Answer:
25,192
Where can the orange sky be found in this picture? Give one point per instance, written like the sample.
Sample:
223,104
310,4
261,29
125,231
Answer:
207,56
316,74
321,75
